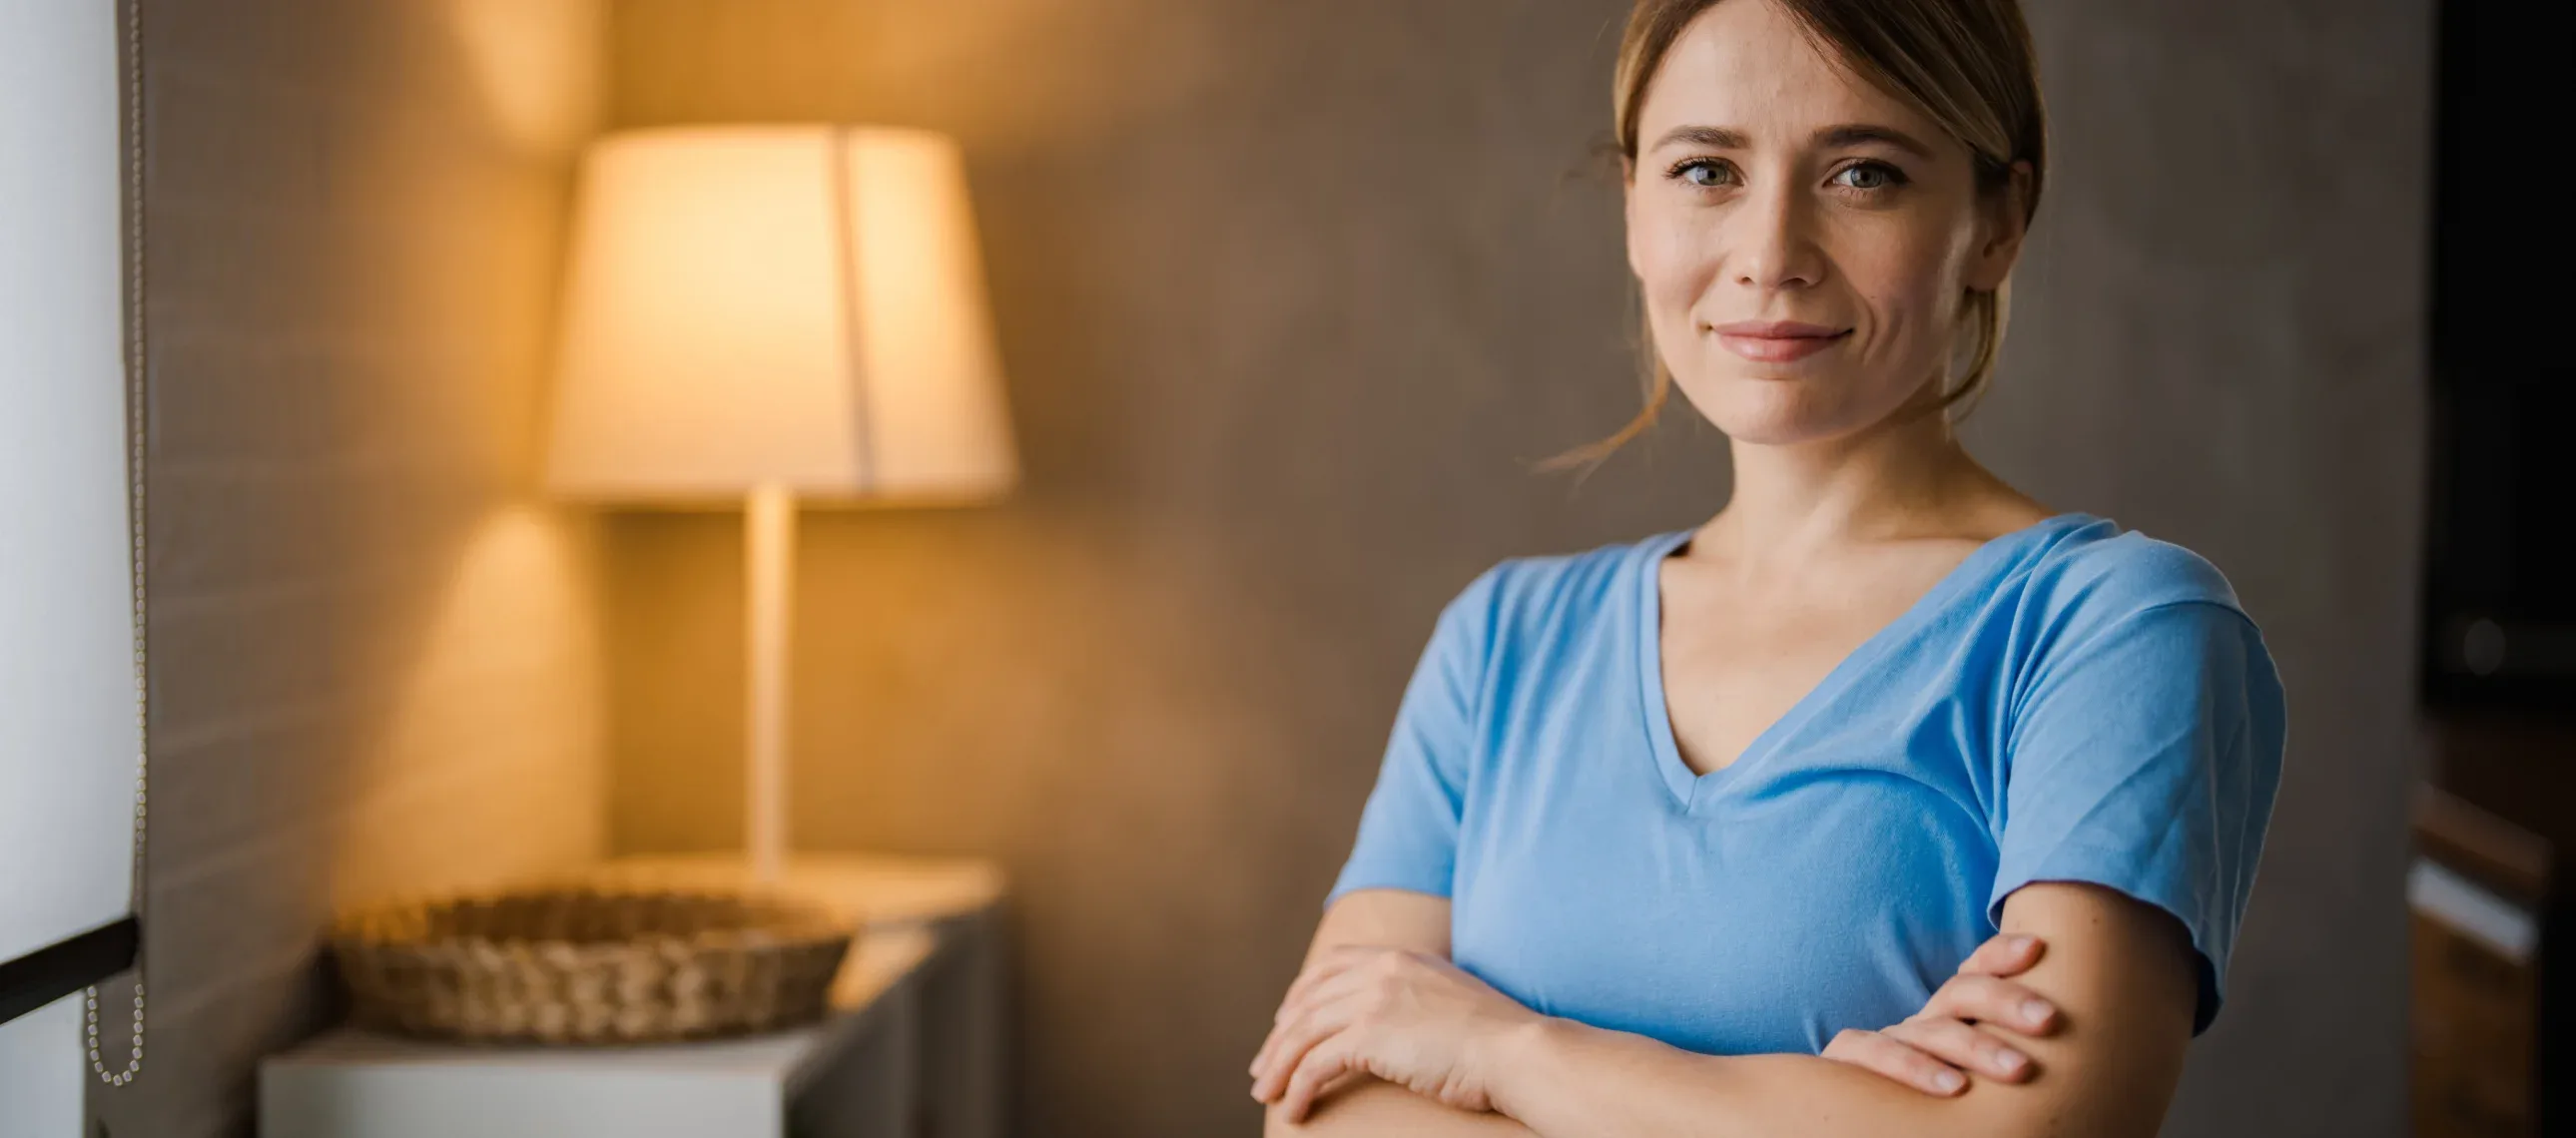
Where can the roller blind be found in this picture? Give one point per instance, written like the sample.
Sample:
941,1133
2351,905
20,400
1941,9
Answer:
68,733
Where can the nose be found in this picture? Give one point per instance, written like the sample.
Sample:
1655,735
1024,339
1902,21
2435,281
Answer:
1775,247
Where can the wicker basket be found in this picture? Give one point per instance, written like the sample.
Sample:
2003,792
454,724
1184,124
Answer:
581,966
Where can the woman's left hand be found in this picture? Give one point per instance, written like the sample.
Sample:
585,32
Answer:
1410,1018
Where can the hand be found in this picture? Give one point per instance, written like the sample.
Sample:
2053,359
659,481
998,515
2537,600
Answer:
1934,1048
1410,1018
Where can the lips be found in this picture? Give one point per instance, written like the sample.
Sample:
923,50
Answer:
1777,341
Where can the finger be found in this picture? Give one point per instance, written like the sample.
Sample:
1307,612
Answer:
1279,1060
1352,1075
2001,1003
1269,1046
1329,980
1872,1051
1329,990
1263,1059
1279,1056
1297,1038
1334,962
1316,1068
2008,954
1963,1047
1339,983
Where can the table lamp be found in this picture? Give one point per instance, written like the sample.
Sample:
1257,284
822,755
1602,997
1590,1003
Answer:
763,314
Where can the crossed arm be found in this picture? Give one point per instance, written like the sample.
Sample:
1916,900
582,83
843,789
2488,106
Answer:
1382,1036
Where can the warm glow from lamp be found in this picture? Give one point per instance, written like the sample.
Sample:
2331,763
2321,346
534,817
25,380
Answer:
793,305
762,314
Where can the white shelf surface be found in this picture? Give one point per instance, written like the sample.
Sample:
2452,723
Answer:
354,1083
912,1045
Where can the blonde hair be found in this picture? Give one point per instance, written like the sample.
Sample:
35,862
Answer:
1967,65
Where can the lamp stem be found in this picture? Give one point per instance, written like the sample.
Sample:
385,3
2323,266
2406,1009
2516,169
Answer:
770,534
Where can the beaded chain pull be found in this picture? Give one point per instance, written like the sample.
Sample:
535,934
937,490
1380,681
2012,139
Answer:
135,425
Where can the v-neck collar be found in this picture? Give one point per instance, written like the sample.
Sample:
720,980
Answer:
1689,788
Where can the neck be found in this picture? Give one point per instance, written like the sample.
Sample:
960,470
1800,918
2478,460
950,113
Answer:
1903,477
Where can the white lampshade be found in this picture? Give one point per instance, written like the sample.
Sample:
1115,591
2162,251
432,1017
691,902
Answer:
799,307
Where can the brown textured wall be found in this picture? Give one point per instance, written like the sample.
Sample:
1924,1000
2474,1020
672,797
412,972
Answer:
1290,293
375,661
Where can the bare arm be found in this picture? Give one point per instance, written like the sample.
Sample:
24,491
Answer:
1971,1026
1367,1108
2121,972
1375,1109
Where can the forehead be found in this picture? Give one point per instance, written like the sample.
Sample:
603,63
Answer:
1749,65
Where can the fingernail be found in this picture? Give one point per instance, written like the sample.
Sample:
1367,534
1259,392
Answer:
2010,1061
2022,942
1948,1081
2034,1010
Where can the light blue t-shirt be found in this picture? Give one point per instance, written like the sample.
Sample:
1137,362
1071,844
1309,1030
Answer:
2072,703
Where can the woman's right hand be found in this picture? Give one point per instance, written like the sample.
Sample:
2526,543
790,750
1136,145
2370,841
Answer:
1932,1048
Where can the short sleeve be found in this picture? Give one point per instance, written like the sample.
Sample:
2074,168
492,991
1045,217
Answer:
1408,836
2144,756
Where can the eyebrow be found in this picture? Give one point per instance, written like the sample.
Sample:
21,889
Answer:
1712,137
1857,134
1847,134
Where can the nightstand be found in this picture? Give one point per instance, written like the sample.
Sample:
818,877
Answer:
915,1045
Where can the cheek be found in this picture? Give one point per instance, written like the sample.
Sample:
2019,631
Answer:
1672,257
1909,280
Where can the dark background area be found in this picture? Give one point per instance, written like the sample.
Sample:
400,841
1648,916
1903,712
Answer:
2498,651
2500,613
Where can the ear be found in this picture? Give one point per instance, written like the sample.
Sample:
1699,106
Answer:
2007,222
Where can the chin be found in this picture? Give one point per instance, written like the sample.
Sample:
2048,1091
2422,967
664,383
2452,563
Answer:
1772,412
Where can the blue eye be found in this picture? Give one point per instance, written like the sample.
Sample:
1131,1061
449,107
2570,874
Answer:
1868,176
1701,173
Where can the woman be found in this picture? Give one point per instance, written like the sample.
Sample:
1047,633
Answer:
1661,822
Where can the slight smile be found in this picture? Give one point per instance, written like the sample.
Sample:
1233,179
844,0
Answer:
1777,341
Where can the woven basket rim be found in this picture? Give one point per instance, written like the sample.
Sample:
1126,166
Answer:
785,920
656,962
